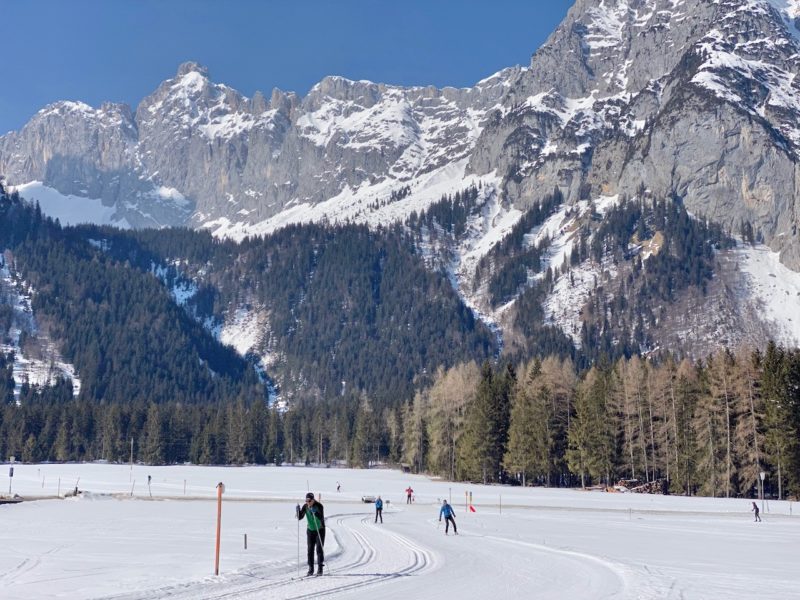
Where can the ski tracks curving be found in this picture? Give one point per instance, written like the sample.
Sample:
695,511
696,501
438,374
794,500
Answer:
364,555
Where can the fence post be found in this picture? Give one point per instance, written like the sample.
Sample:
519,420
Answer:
220,489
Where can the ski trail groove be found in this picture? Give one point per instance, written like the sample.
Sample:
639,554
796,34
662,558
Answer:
422,559
361,546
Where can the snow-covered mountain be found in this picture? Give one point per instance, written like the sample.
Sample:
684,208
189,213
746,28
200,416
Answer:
201,153
691,99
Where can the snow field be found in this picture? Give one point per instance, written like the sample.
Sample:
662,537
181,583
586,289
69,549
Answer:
553,543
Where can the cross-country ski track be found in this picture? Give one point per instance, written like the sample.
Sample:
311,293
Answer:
122,540
364,556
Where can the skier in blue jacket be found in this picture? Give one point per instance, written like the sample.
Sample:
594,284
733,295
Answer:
379,509
449,517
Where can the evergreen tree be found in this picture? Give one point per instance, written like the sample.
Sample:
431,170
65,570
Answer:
530,437
153,437
592,446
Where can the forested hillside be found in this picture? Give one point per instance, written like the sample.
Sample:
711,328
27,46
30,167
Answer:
118,326
382,357
349,309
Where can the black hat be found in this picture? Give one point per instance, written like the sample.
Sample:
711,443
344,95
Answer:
309,496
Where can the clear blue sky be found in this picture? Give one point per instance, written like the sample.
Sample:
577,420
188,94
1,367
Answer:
120,50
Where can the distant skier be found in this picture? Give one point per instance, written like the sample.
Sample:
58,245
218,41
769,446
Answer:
338,486
379,509
409,494
755,509
449,517
315,534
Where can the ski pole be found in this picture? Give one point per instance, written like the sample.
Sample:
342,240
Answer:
324,560
297,518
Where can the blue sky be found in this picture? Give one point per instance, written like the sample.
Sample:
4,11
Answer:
120,50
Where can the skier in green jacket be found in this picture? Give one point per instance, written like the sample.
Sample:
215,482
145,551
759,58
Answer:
315,534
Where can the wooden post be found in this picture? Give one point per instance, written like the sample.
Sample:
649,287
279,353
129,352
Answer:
59,487
220,489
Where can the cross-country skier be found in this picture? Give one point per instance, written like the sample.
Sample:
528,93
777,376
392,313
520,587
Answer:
379,509
755,509
315,534
409,494
449,517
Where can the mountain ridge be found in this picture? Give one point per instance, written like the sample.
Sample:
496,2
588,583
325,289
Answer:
582,116
640,100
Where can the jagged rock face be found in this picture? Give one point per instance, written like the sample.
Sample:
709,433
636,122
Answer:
89,152
695,98
248,159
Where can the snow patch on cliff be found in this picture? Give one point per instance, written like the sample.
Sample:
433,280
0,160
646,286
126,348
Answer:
775,290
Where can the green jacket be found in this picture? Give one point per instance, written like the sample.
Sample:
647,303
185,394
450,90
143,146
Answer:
315,515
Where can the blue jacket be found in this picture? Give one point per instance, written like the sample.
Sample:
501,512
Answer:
447,511
378,503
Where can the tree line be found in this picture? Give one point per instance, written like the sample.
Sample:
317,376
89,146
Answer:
349,308
704,428
707,427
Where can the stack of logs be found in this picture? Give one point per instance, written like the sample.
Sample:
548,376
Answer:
651,487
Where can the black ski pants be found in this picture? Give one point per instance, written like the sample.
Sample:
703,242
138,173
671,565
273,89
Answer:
447,520
315,539
379,514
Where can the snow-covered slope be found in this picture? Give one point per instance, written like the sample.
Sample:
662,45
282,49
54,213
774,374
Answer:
774,292
38,361
70,209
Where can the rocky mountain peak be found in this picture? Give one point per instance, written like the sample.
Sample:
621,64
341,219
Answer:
191,67
623,93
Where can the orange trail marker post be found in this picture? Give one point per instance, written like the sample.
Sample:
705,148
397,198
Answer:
220,490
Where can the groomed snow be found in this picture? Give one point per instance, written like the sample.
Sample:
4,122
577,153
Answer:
542,543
